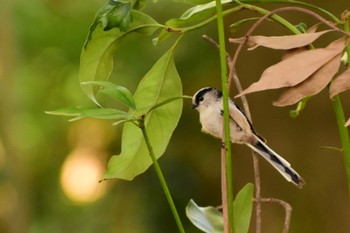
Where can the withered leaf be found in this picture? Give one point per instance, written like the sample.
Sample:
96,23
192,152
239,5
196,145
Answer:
311,86
292,52
340,84
347,123
295,69
281,42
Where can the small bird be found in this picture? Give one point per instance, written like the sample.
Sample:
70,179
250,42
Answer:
209,103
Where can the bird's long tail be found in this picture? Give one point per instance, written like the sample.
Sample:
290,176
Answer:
278,162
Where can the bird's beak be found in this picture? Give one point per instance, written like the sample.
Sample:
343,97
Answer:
194,106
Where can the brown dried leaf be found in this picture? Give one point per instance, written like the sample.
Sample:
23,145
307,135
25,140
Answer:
347,123
340,84
295,69
292,52
311,86
281,42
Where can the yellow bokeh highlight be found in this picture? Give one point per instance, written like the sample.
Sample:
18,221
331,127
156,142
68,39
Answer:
80,176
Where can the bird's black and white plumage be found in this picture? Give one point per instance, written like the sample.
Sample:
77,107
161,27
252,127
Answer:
209,103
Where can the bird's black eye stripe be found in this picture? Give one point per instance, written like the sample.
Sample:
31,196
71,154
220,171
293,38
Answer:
219,93
200,94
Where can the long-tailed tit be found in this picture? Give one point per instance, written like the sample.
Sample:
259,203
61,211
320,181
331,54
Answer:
209,103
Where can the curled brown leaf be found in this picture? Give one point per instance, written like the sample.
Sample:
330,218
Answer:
311,86
296,69
340,84
281,42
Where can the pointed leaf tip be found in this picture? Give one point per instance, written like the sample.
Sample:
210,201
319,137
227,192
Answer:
340,84
347,123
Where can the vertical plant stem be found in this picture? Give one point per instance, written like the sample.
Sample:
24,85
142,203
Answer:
225,152
161,177
344,135
346,18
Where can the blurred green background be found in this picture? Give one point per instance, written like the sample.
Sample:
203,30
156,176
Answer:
49,168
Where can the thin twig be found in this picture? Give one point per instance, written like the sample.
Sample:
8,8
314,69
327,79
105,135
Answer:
287,208
224,194
216,45
246,109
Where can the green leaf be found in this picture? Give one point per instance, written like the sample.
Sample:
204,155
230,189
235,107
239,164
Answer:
195,14
100,113
96,61
242,209
160,83
114,14
119,93
208,219
118,17
198,11
302,27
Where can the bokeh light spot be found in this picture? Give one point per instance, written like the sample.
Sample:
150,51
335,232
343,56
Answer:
80,176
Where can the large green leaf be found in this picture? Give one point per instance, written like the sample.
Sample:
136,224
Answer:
208,219
96,61
242,209
160,83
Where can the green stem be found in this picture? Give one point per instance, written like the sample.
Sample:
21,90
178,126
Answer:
275,17
338,109
228,160
344,135
161,177
347,29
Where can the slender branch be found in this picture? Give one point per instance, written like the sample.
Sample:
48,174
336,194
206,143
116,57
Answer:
161,176
287,209
233,76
